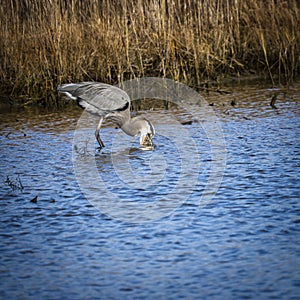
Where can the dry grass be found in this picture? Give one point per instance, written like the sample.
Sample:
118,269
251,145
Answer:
46,42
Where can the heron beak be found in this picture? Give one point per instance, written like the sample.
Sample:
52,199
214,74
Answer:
146,141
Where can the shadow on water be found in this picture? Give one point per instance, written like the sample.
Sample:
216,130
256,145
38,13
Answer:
242,244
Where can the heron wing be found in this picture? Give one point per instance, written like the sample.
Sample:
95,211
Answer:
97,98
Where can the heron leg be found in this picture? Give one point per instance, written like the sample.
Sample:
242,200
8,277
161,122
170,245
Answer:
97,134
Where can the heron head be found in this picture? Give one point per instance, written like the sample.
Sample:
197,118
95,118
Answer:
147,134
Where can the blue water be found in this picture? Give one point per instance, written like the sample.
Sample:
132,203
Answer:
244,243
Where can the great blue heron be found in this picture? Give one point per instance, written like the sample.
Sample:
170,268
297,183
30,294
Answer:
107,101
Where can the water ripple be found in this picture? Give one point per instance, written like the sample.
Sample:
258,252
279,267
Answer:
242,244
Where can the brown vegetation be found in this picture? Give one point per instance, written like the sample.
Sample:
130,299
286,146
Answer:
47,42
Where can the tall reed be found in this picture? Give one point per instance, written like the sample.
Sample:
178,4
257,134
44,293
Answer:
46,42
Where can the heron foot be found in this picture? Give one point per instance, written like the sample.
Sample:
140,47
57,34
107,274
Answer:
101,145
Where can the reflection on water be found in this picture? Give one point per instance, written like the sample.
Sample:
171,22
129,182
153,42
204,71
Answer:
244,243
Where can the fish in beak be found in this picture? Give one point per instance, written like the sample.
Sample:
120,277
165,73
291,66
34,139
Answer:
146,140
147,133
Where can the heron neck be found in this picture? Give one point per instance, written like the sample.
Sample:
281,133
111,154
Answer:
132,126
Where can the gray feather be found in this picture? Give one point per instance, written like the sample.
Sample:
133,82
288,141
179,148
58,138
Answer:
97,98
